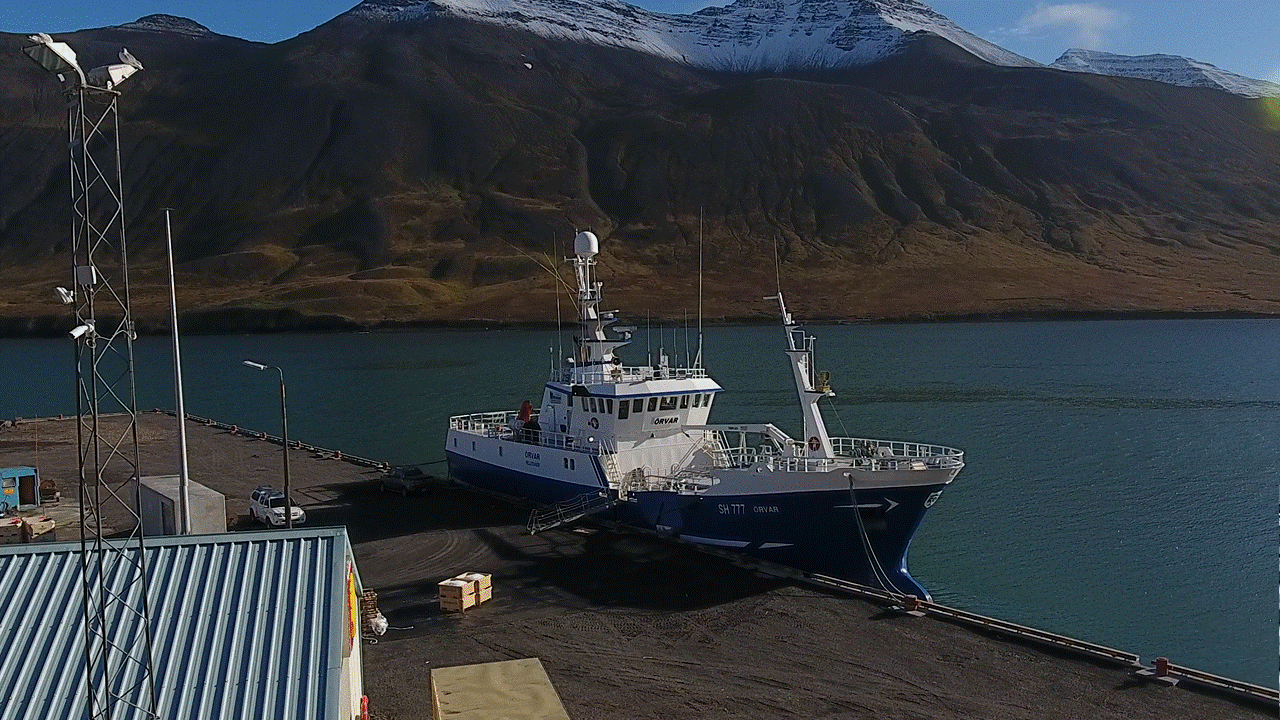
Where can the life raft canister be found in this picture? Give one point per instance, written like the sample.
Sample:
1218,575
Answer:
814,443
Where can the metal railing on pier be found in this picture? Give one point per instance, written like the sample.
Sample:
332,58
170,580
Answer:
259,435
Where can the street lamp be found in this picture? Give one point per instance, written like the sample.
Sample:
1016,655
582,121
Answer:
284,425
59,59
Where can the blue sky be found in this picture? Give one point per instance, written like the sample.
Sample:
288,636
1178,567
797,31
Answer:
1242,36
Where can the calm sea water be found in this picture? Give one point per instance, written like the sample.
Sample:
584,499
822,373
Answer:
1122,475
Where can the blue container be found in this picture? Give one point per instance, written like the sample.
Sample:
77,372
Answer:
19,488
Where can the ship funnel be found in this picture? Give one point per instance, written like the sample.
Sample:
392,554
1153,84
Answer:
586,245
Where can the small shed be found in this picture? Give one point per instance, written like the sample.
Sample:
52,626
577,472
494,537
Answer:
159,507
19,488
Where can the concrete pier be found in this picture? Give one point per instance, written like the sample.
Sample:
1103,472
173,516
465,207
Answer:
629,626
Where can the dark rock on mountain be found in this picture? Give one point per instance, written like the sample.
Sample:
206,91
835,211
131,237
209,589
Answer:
402,172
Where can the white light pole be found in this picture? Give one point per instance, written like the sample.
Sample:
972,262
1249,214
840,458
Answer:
184,478
284,437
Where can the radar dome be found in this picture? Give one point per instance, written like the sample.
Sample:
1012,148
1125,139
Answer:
586,244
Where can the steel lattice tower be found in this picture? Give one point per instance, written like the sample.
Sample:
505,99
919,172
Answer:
117,633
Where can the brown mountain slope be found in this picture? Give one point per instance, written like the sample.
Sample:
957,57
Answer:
411,172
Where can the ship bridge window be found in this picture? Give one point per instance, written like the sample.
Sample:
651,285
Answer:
609,406
637,405
668,403
623,408
697,400
653,404
684,401
706,399
595,405
584,403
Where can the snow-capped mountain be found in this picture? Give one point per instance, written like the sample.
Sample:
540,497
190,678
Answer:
1172,69
747,35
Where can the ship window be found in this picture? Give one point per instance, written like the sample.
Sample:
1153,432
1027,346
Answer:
584,402
609,404
499,451
623,408
593,405
668,403
637,405
707,400
566,463
455,442
573,464
653,404
684,401
473,446
697,400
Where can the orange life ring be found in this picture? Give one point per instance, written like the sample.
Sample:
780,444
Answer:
814,443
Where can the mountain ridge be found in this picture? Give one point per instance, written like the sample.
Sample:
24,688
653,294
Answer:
763,35
425,172
1170,69
745,36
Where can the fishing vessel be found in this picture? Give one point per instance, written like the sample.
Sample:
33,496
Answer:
633,444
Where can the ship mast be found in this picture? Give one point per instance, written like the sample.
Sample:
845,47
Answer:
594,353
809,386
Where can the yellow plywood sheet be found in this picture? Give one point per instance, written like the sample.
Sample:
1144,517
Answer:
510,690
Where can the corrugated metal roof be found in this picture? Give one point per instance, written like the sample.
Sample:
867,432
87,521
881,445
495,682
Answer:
245,625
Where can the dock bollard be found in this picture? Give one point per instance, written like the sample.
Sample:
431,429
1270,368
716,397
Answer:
1162,667
911,603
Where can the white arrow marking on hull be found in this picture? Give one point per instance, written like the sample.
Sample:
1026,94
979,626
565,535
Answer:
892,505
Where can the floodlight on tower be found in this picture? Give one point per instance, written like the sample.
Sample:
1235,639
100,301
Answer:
109,76
56,57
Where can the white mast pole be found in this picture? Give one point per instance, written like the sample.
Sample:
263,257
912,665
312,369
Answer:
184,492
697,361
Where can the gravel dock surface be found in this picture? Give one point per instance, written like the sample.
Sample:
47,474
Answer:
628,626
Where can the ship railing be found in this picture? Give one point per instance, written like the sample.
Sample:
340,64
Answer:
801,464
481,423
687,481
894,453
593,374
506,426
739,457
569,510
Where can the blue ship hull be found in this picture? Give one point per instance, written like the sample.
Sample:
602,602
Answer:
823,533
861,537
513,484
